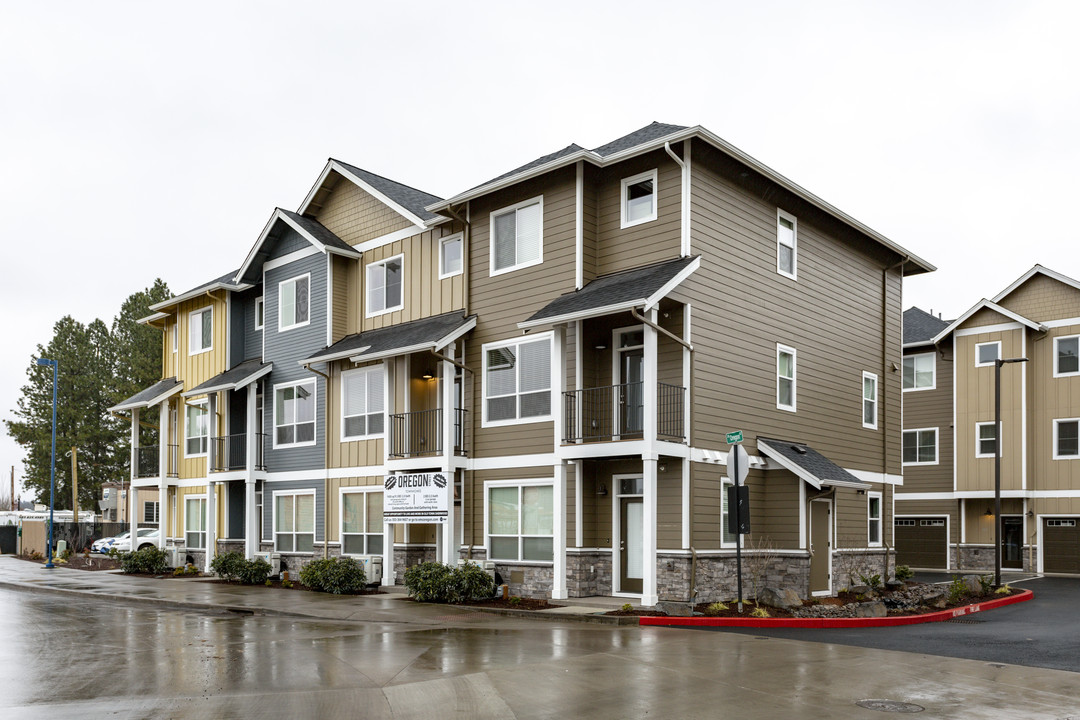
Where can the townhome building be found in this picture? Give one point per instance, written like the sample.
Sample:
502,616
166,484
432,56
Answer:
945,511
558,355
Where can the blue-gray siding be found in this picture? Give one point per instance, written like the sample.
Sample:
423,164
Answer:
270,487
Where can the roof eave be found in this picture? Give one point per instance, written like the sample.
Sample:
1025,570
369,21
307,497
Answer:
582,314
192,294
242,382
988,305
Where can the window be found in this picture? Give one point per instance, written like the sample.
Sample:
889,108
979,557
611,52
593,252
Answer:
294,414
150,511
517,381
521,523
384,285
638,199
787,231
919,372
200,331
517,236
904,523
920,447
785,378
1067,356
987,353
727,538
1067,439
362,402
985,439
294,522
195,523
873,518
293,296
174,330
869,400
450,256
196,428
260,314
362,523
1060,523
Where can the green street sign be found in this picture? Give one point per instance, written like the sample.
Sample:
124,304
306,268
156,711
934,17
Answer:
734,437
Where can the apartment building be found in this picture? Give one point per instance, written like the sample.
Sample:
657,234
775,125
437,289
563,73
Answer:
945,514
561,351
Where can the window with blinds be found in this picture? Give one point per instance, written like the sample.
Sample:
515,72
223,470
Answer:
294,414
521,523
294,522
517,236
384,283
363,403
517,381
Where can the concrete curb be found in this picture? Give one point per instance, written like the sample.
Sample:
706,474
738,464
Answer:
938,616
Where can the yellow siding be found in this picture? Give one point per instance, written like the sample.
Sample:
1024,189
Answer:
194,370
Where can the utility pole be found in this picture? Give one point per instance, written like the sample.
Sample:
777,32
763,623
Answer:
75,484
13,505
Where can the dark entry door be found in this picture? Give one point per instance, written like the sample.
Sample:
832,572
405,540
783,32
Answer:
1012,542
632,410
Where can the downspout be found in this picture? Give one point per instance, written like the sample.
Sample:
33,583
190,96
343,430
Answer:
326,461
684,233
465,243
885,435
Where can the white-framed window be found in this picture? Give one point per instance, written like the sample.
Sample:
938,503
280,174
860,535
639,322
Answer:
174,330
196,428
920,446
787,243
638,195
985,439
1067,439
150,511
520,521
869,400
517,236
200,330
727,538
451,256
294,414
385,280
873,518
517,381
919,372
294,521
260,313
785,377
987,353
294,296
1067,356
363,403
362,521
195,522
1060,522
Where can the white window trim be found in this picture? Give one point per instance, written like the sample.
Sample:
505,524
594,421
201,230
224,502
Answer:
314,523
1056,341
492,272
156,513
184,530
355,490
550,482
997,442
260,302
983,344
914,360
484,422
725,483
1054,449
870,542
205,403
210,309
862,405
781,215
460,237
282,284
626,182
174,330
363,371
368,312
937,447
794,377
273,412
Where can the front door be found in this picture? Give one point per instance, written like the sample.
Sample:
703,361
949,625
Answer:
631,532
1012,542
820,547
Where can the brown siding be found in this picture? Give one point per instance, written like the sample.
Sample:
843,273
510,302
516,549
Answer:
590,181
776,516
354,453
932,409
979,526
921,508
1050,398
333,496
1042,298
669,506
355,216
986,316
474,496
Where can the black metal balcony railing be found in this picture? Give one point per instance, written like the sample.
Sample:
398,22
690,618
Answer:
148,461
230,452
419,434
617,412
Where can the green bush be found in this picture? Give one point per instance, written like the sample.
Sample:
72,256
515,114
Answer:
904,573
986,582
227,566
435,582
254,572
872,581
340,576
470,582
957,589
149,560
715,609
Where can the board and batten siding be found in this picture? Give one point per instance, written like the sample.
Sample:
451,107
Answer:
931,409
1050,399
333,504
351,453
356,216
193,370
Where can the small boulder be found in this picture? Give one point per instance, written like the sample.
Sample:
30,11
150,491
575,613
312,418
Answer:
675,609
859,589
895,585
777,598
872,609
935,599
974,586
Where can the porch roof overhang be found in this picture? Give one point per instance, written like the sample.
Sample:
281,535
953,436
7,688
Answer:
239,376
152,395
432,333
809,464
641,287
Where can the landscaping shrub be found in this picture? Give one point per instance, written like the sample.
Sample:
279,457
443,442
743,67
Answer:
904,573
435,582
957,589
149,560
340,576
470,582
227,566
715,609
254,572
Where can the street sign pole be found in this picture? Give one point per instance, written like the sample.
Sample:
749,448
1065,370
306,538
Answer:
738,463
738,524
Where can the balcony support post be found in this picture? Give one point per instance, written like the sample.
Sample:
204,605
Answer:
211,522
649,463
558,587
212,461
448,535
163,469
135,444
251,522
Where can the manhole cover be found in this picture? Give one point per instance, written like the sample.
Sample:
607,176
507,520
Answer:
890,706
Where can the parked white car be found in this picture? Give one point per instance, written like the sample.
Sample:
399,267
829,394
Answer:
102,546
146,537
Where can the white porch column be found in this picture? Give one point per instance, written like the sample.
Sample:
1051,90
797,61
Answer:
251,520
558,350
211,521
163,472
388,554
211,433
133,516
134,473
649,461
447,535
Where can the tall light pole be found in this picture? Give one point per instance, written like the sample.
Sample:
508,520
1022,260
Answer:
997,464
52,470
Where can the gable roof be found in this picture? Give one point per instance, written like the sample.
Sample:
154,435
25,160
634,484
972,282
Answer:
406,201
1037,270
225,282
989,305
239,376
809,464
920,327
311,230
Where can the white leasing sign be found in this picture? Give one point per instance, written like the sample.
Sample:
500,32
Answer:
416,498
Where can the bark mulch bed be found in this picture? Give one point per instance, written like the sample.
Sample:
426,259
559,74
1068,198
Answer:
77,562
277,585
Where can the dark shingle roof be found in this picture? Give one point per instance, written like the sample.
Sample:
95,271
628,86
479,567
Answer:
639,137
318,231
409,198
568,150
628,286
921,327
810,462
155,393
388,339
232,378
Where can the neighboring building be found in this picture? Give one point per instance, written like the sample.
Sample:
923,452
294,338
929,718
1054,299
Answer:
945,511
567,345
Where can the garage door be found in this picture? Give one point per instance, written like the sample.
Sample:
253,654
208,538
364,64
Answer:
1061,545
922,543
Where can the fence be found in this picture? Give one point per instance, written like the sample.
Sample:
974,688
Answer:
79,536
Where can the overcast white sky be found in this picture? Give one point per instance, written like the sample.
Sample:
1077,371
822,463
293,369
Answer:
141,139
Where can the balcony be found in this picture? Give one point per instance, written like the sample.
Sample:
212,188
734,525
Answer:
617,412
230,452
147,462
419,434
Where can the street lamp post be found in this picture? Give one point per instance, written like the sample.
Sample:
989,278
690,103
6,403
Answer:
52,469
997,464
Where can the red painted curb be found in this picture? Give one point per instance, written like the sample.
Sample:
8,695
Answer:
938,616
